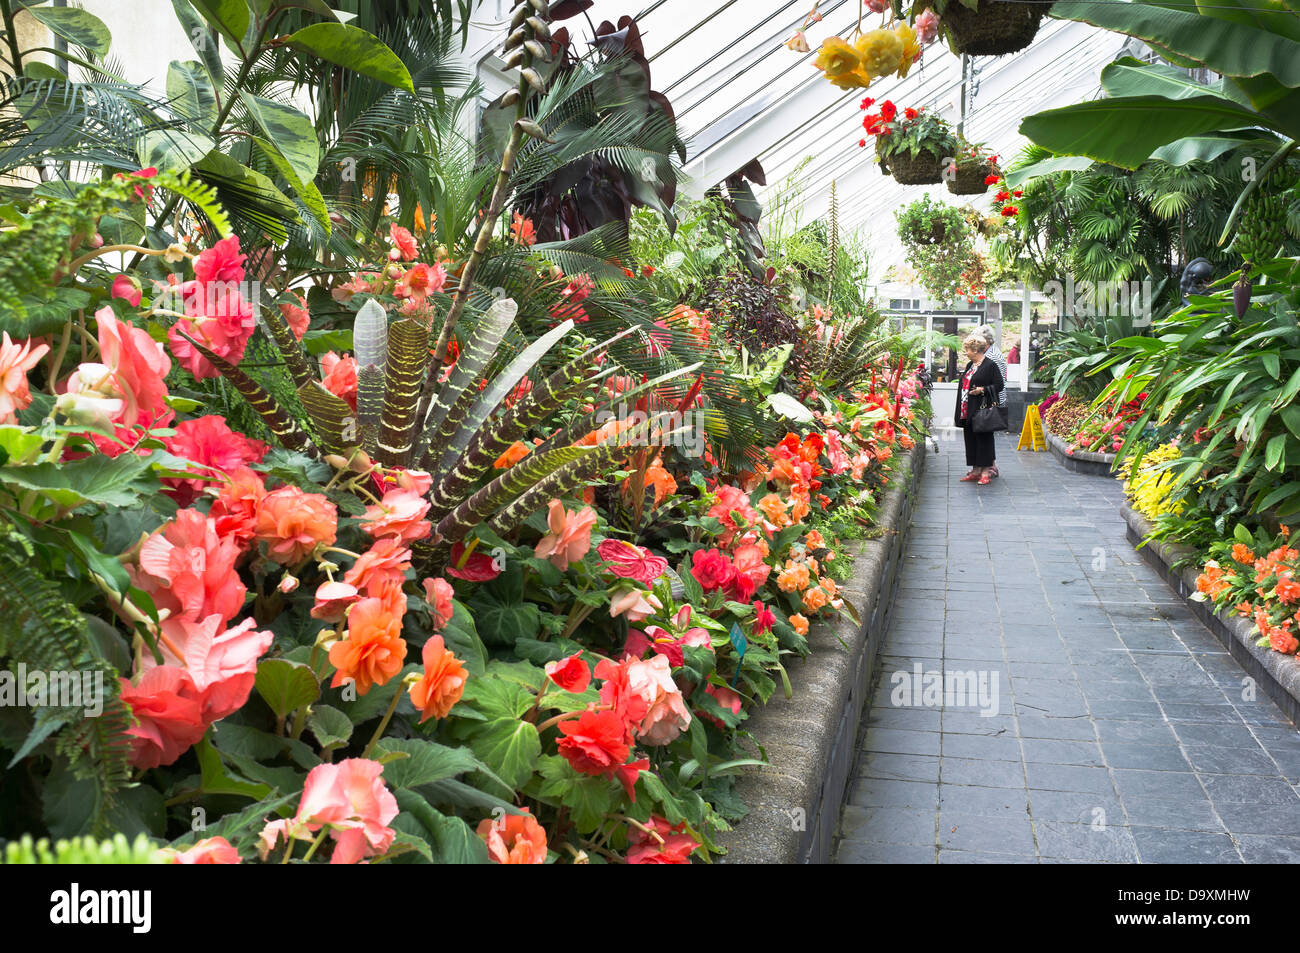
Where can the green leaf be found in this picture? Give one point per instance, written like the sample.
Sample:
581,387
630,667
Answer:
461,636
353,49
76,26
1275,452
230,18
190,92
285,686
499,622
497,697
588,799
216,779
197,31
305,189
1124,131
424,762
172,150
110,481
290,132
330,726
509,747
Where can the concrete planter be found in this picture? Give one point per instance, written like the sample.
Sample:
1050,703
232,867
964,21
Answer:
795,800
1276,674
1081,461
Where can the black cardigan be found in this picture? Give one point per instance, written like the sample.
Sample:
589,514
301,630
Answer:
989,376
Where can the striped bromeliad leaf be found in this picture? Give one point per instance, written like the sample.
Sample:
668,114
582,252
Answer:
454,398
332,418
408,357
285,428
584,425
290,348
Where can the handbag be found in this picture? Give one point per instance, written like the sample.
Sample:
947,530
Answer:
988,418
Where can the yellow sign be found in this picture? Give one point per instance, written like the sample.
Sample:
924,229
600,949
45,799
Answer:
1031,434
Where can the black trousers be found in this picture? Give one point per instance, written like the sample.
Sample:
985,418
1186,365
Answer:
979,446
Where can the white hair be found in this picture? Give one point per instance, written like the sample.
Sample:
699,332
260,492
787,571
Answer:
987,331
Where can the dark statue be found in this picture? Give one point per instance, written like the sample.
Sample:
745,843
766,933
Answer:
1196,278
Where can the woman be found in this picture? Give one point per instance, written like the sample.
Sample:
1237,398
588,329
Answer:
995,355
981,377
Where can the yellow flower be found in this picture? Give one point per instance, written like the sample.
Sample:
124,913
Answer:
911,48
856,79
798,43
880,52
835,58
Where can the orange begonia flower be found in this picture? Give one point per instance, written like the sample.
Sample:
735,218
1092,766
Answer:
443,682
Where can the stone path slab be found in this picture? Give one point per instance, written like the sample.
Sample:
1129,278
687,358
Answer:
1043,697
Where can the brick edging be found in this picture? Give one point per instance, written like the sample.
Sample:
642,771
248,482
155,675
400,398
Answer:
1081,461
1277,674
810,739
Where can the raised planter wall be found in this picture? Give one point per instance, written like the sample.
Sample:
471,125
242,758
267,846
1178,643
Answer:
1081,461
1276,674
810,739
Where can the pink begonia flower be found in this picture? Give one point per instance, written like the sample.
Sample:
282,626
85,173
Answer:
221,664
421,281
15,361
127,288
439,593
189,570
296,316
404,247
140,366
210,850
667,715
352,801
636,604
417,481
631,561
340,377
401,514
726,698
570,535
217,317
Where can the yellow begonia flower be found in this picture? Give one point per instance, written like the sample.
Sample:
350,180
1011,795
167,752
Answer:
835,58
798,43
854,80
911,48
880,52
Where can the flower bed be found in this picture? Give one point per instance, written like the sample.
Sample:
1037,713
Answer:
1277,674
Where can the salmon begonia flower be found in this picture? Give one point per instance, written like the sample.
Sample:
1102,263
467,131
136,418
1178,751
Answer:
443,682
666,713
221,663
726,698
333,599
234,511
352,801
800,623
569,538
399,514
514,839
210,850
139,366
749,573
294,523
513,454
439,593
374,649
15,361
189,570
168,714
404,247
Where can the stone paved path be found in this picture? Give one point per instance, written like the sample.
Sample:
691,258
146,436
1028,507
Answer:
1122,730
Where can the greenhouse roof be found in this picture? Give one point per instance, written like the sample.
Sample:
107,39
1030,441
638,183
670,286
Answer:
750,97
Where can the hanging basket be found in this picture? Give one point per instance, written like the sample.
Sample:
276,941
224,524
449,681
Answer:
969,179
995,28
920,169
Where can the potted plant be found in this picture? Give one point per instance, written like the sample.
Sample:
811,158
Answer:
982,27
912,145
972,170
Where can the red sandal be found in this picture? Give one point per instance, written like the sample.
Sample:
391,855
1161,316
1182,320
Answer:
968,478
984,480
